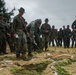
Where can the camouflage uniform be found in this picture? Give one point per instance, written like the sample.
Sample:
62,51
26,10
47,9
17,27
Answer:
10,38
33,29
60,34
73,36
74,33
45,35
20,39
74,24
68,35
2,34
2,38
54,36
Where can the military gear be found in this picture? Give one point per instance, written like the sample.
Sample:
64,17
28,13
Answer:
33,29
21,41
21,10
10,37
54,36
74,24
45,30
46,19
60,35
2,38
73,37
39,21
66,37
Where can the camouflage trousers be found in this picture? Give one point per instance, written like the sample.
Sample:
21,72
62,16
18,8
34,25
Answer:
45,40
2,44
73,42
20,43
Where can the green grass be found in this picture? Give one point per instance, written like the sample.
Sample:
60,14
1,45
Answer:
61,71
32,69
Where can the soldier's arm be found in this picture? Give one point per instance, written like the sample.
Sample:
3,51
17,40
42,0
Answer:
49,28
42,29
14,24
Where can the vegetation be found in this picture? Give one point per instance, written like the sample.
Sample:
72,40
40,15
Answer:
59,68
32,69
61,71
5,12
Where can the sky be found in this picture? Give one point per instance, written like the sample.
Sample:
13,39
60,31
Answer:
59,12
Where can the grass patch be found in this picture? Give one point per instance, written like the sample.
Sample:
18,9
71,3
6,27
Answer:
9,58
32,69
38,67
17,71
65,63
61,71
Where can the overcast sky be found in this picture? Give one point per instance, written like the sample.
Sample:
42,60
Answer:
59,12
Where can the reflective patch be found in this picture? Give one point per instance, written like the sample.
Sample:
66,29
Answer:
16,36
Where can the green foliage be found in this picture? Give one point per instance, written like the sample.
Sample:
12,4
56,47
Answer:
15,70
38,67
2,3
61,71
6,14
64,63
32,69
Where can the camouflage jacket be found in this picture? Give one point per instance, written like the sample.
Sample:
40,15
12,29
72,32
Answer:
2,31
18,23
33,30
45,27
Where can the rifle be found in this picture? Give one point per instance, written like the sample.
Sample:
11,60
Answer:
34,42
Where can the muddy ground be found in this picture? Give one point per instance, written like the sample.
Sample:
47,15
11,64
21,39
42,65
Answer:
39,64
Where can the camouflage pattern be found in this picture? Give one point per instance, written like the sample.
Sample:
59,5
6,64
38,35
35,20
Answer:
73,37
2,38
33,29
20,40
64,37
54,36
74,24
60,36
45,35
68,35
9,37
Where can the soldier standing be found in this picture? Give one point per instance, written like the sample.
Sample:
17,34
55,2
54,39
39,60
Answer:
68,35
74,24
45,29
20,38
74,33
2,35
54,34
60,37
10,38
73,37
64,36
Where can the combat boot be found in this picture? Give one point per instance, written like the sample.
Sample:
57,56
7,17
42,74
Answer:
23,56
30,55
17,55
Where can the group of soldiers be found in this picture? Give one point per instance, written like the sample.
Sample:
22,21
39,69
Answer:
64,37
23,37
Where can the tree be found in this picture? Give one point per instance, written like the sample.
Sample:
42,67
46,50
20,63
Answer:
5,12
2,3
